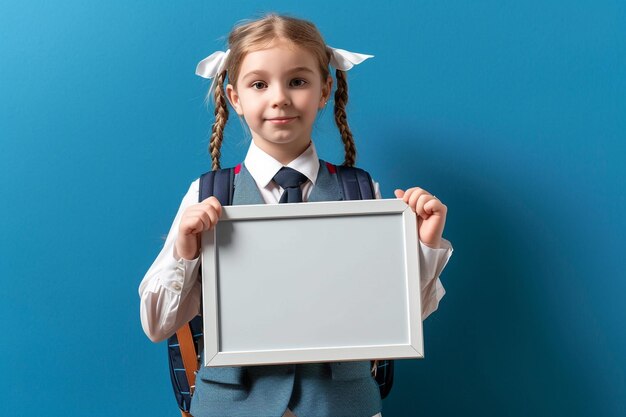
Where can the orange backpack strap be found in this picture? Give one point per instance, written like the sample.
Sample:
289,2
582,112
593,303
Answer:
189,356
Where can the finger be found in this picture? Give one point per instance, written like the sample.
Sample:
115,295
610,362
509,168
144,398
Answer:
197,218
399,193
192,225
213,217
421,200
215,203
434,206
412,195
408,194
198,212
206,216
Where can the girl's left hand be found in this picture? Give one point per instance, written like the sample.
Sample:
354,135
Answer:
431,214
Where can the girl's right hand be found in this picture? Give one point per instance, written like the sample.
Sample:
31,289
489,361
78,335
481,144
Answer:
196,219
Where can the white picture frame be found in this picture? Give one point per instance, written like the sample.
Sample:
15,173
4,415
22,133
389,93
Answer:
311,282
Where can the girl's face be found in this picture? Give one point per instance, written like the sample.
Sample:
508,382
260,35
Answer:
279,92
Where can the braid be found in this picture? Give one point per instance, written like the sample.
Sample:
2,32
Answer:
221,116
341,99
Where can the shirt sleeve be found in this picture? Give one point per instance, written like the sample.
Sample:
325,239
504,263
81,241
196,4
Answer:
170,291
432,262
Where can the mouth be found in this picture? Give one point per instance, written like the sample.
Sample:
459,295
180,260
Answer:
281,120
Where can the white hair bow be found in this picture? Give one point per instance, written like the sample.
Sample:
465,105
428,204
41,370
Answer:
344,60
212,65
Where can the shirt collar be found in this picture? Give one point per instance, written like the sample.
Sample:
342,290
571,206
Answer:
263,167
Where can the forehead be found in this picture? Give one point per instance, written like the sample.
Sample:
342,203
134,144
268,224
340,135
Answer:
278,57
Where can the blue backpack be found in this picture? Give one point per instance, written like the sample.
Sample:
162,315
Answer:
183,355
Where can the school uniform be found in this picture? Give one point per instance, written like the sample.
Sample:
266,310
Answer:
170,296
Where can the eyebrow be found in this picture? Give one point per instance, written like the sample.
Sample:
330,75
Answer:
262,73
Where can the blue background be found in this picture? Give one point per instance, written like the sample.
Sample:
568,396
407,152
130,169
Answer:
512,112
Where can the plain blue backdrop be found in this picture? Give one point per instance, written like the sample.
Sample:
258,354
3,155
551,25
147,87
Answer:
513,113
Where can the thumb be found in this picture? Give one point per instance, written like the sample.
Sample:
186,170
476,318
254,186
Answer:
399,193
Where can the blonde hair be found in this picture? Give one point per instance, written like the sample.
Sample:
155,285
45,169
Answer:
256,35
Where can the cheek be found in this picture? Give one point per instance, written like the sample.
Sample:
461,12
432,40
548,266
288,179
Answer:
314,101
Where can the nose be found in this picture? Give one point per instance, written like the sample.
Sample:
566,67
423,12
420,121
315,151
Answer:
280,96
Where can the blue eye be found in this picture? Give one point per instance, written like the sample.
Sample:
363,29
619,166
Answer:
258,85
298,82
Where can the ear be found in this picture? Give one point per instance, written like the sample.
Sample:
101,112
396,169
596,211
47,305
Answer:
233,98
327,87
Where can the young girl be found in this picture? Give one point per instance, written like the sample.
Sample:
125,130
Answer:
277,69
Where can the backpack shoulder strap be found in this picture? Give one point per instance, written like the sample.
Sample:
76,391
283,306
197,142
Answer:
356,183
218,183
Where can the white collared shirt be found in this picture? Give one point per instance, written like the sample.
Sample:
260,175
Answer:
263,167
